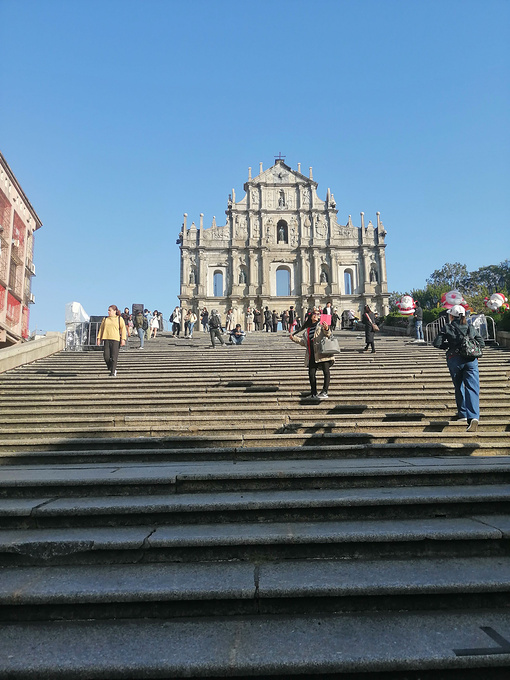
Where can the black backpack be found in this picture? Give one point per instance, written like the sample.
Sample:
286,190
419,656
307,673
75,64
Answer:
214,321
469,347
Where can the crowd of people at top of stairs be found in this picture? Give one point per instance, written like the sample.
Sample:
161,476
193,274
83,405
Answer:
461,341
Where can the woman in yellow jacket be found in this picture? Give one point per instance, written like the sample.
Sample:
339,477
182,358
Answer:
314,332
113,333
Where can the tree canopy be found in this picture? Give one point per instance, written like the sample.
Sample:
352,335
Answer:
475,286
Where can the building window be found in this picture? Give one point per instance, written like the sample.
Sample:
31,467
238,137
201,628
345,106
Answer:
348,282
218,284
282,282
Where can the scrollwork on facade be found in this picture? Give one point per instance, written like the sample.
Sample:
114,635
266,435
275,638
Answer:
240,226
320,227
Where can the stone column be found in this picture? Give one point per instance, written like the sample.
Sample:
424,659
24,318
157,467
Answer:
202,275
254,279
303,272
335,289
317,289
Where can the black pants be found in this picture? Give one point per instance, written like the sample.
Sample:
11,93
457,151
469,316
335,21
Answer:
312,372
370,342
216,333
111,354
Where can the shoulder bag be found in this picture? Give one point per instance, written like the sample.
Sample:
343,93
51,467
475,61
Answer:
330,346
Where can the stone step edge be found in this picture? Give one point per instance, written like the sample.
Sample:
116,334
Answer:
255,645
76,584
46,543
248,501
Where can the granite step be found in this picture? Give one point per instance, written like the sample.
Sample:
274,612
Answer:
167,504
127,591
259,646
477,535
190,447
189,475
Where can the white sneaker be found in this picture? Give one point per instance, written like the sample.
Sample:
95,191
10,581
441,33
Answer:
323,395
473,425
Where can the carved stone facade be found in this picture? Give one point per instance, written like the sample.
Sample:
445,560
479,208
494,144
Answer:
282,231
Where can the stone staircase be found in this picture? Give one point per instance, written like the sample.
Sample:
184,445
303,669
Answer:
197,517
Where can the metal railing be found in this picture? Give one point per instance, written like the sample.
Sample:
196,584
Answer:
81,336
484,325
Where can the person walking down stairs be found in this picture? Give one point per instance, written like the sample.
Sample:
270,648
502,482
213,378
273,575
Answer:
215,328
140,323
112,333
370,328
311,339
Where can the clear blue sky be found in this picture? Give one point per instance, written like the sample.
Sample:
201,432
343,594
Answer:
117,116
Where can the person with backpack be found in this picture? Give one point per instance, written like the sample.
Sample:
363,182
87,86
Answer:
463,346
140,324
215,327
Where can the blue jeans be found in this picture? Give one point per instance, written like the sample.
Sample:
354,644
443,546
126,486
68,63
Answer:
141,335
467,386
236,341
419,329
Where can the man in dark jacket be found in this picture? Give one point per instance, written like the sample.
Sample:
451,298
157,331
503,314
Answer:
267,319
215,327
463,369
141,325
418,322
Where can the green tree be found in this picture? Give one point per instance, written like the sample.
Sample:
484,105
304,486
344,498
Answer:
430,296
495,278
450,275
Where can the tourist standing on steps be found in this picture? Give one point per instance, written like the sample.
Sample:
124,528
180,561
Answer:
274,321
215,327
154,323
249,320
140,325
267,319
147,327
311,339
127,318
418,322
369,322
292,318
229,322
175,320
334,319
112,333
204,319
257,318
463,370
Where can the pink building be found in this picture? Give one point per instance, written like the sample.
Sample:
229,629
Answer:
18,222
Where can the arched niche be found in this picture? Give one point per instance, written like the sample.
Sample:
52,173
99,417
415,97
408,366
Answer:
282,232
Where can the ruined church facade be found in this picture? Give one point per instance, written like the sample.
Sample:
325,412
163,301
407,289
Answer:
282,245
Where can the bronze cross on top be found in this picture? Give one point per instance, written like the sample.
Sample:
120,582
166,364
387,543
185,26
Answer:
279,157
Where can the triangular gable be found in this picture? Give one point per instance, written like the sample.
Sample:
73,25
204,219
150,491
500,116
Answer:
281,173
